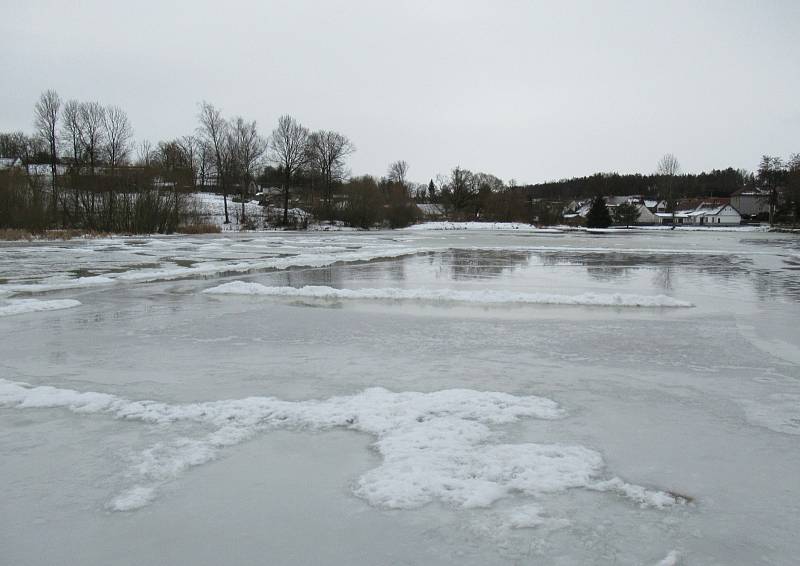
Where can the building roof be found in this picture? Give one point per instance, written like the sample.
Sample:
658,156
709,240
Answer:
430,208
750,192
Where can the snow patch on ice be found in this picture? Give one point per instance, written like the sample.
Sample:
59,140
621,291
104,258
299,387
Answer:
134,498
486,297
780,412
525,517
435,446
11,307
670,559
645,497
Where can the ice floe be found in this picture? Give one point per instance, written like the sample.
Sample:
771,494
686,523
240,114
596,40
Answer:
435,446
321,257
57,284
11,307
485,296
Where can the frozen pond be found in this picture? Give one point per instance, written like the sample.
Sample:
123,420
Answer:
406,397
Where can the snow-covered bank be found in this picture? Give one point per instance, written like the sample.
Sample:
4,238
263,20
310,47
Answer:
22,306
484,297
435,446
211,207
476,226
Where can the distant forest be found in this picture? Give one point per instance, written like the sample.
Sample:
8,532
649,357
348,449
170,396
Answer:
717,183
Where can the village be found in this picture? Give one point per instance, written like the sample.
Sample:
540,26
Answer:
742,207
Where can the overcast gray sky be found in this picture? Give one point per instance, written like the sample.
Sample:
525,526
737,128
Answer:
525,90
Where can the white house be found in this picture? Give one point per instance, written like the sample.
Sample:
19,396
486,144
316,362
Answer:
703,215
679,218
725,215
646,216
655,205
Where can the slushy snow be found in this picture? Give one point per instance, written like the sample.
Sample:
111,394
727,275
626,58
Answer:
435,446
485,296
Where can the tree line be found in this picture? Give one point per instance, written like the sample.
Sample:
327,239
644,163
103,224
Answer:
100,178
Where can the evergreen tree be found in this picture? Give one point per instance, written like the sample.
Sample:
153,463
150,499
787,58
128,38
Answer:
626,214
598,216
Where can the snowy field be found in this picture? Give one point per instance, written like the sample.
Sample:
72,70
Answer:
424,396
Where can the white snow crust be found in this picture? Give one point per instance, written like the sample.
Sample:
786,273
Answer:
486,296
435,446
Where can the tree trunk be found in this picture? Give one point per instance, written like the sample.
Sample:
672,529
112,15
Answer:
225,201
241,222
286,203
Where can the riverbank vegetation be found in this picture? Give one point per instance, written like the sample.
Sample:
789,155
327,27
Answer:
81,169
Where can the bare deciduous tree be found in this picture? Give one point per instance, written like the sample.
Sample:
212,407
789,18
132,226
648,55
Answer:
170,155
46,122
398,172
288,150
213,130
668,167
71,131
118,134
92,120
21,146
327,153
461,188
144,153
193,154
247,148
